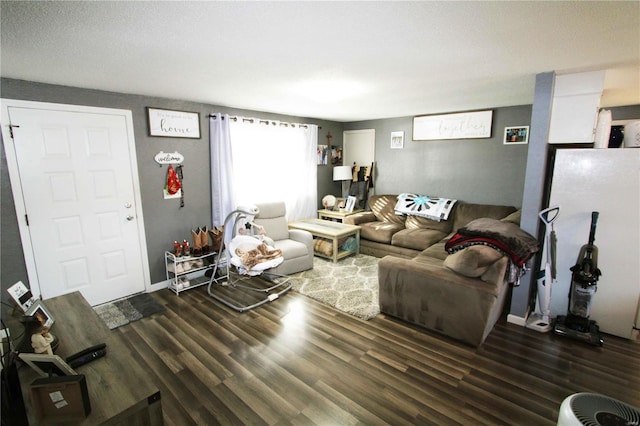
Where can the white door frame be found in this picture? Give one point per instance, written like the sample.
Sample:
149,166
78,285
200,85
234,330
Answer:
16,184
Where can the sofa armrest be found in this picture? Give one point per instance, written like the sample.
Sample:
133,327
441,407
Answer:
426,293
432,271
302,236
358,218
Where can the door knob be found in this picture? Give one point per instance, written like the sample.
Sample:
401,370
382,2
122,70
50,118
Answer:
129,218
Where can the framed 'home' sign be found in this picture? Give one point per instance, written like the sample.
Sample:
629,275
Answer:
173,124
463,125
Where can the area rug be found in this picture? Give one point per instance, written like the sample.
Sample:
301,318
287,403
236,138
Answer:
125,311
351,285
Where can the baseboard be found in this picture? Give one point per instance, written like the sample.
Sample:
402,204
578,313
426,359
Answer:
158,286
517,320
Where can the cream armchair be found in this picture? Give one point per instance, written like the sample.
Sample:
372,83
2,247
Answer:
296,245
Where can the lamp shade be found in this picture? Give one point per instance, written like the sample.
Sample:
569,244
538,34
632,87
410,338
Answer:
342,173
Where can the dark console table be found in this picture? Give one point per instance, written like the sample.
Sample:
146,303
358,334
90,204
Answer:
119,389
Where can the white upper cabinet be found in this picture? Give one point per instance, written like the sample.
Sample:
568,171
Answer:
576,101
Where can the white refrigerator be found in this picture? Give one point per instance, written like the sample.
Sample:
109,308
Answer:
607,181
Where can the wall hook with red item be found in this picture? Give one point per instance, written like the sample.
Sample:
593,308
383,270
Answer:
174,187
173,182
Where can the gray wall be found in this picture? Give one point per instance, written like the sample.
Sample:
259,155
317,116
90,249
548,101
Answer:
164,220
473,170
484,170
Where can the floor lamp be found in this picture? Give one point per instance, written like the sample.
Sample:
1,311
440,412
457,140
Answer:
344,174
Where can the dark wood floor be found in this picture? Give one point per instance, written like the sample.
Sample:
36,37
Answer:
296,361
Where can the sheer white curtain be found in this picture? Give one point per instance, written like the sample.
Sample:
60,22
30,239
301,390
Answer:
253,162
276,162
223,199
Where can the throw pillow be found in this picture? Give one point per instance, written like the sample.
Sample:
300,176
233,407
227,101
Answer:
472,261
514,217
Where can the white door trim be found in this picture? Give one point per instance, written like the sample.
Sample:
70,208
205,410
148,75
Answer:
16,184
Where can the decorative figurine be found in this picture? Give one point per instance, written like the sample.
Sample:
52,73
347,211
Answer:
41,341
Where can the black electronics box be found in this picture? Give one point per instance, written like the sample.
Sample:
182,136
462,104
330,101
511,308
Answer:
60,399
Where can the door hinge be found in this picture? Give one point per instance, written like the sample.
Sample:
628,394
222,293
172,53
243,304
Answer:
11,126
26,219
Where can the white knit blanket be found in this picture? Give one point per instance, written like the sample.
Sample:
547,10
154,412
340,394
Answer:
434,208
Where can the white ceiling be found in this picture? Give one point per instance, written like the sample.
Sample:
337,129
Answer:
343,61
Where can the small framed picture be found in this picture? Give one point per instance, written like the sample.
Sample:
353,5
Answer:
323,153
397,140
340,203
351,202
516,135
39,311
22,295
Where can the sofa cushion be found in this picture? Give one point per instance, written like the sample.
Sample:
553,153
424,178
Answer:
472,261
379,231
417,239
417,222
437,250
359,218
465,213
383,206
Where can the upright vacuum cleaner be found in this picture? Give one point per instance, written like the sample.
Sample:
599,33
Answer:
540,321
585,274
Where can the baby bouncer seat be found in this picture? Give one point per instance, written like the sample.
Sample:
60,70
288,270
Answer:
247,254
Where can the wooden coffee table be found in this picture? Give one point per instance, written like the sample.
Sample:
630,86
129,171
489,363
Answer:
332,231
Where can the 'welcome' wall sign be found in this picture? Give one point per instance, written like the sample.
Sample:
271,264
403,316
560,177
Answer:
174,124
464,125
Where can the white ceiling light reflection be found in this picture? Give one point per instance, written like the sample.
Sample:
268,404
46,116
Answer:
328,90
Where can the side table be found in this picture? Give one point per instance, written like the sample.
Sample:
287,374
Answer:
335,215
120,389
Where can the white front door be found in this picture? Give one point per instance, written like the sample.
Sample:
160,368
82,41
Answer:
75,174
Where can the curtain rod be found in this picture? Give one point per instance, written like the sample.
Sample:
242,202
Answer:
272,122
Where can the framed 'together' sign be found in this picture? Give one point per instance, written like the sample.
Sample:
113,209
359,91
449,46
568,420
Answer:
463,125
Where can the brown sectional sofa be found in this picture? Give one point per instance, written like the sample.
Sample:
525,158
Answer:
415,278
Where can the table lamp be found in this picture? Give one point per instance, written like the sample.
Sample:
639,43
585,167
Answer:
343,173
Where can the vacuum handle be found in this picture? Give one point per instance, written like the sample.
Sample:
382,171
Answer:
549,215
594,223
